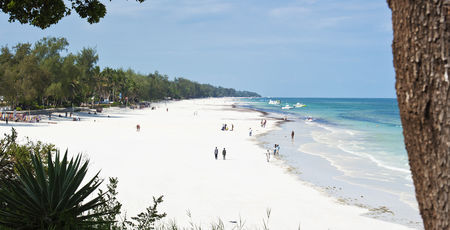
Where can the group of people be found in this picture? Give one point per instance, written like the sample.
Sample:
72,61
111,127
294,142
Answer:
276,151
225,127
216,153
19,117
263,123
69,114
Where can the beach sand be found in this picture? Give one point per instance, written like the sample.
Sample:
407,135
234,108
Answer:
173,155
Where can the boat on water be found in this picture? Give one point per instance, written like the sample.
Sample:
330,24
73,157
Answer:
274,102
299,105
286,107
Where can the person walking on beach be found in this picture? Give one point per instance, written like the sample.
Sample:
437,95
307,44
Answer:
278,149
232,127
292,135
275,150
224,153
268,155
250,133
138,128
6,119
216,152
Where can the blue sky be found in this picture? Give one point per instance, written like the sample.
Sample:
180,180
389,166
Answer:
298,48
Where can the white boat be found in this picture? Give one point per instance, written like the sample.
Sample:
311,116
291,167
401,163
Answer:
274,102
299,105
286,107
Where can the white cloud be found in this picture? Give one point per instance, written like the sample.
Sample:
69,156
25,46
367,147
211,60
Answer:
331,21
179,8
128,8
203,7
288,11
310,14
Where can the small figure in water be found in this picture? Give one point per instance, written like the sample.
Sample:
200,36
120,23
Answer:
292,135
216,152
138,128
268,155
224,153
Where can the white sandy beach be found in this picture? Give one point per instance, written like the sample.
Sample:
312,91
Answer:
173,156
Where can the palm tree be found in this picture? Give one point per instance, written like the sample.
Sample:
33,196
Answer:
50,197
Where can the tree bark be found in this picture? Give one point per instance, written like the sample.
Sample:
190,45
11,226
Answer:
421,52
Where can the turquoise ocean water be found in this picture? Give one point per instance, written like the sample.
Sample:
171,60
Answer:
352,148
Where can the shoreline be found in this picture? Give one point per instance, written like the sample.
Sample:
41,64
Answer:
172,156
330,187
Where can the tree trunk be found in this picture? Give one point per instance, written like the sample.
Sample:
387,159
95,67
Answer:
421,52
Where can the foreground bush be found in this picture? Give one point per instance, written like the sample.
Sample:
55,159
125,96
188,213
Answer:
12,154
49,198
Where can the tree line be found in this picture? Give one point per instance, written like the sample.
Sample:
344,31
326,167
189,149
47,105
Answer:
41,76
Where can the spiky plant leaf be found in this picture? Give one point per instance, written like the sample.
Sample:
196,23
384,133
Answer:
50,197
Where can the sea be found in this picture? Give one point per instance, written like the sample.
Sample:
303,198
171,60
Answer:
349,148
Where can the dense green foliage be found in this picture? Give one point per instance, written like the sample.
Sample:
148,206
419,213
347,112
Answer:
13,154
39,75
49,198
42,13
111,206
146,220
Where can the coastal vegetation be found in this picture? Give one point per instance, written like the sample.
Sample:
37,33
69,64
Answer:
49,196
13,154
44,75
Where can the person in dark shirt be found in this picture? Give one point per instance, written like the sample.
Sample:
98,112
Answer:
216,152
224,153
